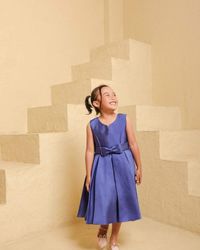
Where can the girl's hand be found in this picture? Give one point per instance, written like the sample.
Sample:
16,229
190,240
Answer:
138,176
87,184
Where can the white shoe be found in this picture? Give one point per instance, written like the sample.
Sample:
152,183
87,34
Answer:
114,246
102,242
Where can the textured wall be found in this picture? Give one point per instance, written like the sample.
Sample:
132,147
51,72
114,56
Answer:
39,41
172,27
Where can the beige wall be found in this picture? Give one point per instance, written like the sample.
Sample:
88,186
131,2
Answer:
172,27
113,23
39,41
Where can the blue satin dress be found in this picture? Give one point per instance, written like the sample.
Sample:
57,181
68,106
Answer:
112,195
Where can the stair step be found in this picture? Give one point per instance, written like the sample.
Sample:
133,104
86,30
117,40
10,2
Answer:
152,118
74,92
119,49
181,145
20,148
128,49
58,118
101,69
47,119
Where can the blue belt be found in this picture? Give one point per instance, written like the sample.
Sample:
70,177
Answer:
116,149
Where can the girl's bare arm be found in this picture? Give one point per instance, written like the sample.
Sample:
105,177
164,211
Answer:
89,153
133,143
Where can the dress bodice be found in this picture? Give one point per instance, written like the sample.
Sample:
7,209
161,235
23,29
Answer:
109,135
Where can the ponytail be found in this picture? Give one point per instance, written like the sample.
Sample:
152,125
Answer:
88,104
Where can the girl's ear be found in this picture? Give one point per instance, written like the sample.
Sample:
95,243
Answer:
96,104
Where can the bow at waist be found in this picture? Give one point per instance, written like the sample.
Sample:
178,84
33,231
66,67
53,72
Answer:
116,149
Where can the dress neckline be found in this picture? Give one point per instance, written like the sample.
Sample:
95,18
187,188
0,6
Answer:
108,125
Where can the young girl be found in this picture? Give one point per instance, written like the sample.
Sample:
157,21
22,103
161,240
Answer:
113,167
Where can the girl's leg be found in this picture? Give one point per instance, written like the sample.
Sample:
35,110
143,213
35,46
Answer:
102,230
115,232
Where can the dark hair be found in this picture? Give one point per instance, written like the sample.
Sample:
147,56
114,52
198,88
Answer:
93,97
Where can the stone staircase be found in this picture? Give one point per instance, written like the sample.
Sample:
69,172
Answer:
35,167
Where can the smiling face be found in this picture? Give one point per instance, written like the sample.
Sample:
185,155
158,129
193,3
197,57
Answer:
109,99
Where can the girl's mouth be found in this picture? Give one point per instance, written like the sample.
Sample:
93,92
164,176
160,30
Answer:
113,103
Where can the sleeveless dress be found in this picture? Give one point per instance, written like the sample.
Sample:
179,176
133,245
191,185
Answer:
112,195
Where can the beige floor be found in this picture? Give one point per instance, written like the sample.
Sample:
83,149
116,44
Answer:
144,234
